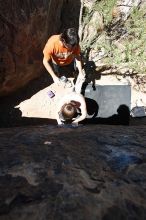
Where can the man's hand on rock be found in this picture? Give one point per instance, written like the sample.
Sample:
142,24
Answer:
56,80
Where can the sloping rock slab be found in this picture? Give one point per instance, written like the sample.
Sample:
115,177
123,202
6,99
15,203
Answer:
89,172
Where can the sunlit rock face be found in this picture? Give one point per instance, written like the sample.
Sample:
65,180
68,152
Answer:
24,28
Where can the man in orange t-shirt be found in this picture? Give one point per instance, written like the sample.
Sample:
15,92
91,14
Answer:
61,51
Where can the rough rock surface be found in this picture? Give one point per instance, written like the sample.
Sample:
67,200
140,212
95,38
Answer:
89,172
24,29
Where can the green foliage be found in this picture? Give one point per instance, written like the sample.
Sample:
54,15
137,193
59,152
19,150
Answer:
136,40
105,7
133,41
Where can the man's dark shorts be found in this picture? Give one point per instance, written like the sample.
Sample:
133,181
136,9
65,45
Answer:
68,70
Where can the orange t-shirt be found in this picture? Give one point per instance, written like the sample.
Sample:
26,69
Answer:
55,50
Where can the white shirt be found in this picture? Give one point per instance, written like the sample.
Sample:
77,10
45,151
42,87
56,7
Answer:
72,96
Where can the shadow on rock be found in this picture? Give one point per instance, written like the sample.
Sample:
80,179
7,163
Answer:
122,118
11,116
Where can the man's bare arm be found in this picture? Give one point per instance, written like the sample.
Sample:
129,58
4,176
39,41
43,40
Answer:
58,117
50,70
83,111
81,77
79,66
